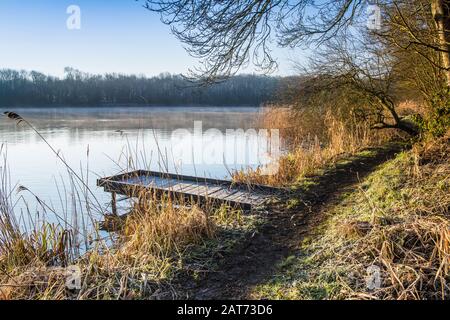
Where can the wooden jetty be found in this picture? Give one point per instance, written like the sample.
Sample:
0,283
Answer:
201,190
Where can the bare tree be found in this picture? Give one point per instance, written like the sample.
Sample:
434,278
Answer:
412,46
228,34
360,64
421,27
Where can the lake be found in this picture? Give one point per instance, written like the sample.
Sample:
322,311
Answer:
102,141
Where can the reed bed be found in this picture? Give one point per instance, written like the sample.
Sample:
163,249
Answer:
312,139
149,249
144,250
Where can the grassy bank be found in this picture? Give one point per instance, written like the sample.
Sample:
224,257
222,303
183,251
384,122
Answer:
351,224
393,227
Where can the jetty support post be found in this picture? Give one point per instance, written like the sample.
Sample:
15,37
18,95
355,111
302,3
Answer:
114,203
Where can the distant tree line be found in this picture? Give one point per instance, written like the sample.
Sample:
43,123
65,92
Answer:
76,88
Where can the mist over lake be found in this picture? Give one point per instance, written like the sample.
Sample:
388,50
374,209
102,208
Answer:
100,141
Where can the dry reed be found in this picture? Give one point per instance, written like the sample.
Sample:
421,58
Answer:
312,140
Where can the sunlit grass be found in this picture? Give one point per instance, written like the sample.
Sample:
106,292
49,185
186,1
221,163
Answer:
397,220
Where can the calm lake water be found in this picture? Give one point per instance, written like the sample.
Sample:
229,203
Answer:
107,140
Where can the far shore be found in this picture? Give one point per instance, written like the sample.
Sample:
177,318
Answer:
120,105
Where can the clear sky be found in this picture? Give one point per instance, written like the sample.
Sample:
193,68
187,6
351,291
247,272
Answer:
115,36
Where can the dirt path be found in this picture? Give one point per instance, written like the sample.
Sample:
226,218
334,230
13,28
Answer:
252,261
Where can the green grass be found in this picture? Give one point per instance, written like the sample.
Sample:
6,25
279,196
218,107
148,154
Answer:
296,279
398,202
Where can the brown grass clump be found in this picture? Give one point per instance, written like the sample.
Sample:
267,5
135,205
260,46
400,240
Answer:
354,229
409,233
31,274
313,140
36,282
168,224
410,107
32,265
147,249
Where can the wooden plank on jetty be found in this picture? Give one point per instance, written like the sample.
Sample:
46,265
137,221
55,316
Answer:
133,184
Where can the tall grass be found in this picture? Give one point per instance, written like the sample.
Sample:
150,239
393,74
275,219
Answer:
33,251
409,230
148,248
145,248
313,139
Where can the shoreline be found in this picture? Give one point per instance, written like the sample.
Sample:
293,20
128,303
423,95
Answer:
118,105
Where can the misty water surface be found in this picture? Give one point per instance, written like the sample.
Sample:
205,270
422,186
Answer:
107,140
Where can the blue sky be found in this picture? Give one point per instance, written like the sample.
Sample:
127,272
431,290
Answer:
115,36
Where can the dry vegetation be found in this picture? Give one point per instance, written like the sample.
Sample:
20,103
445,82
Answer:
397,220
150,246
313,138
142,252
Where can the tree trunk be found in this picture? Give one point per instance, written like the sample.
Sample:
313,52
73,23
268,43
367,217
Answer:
408,126
441,15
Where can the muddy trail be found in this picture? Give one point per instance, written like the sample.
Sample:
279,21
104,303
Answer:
253,260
